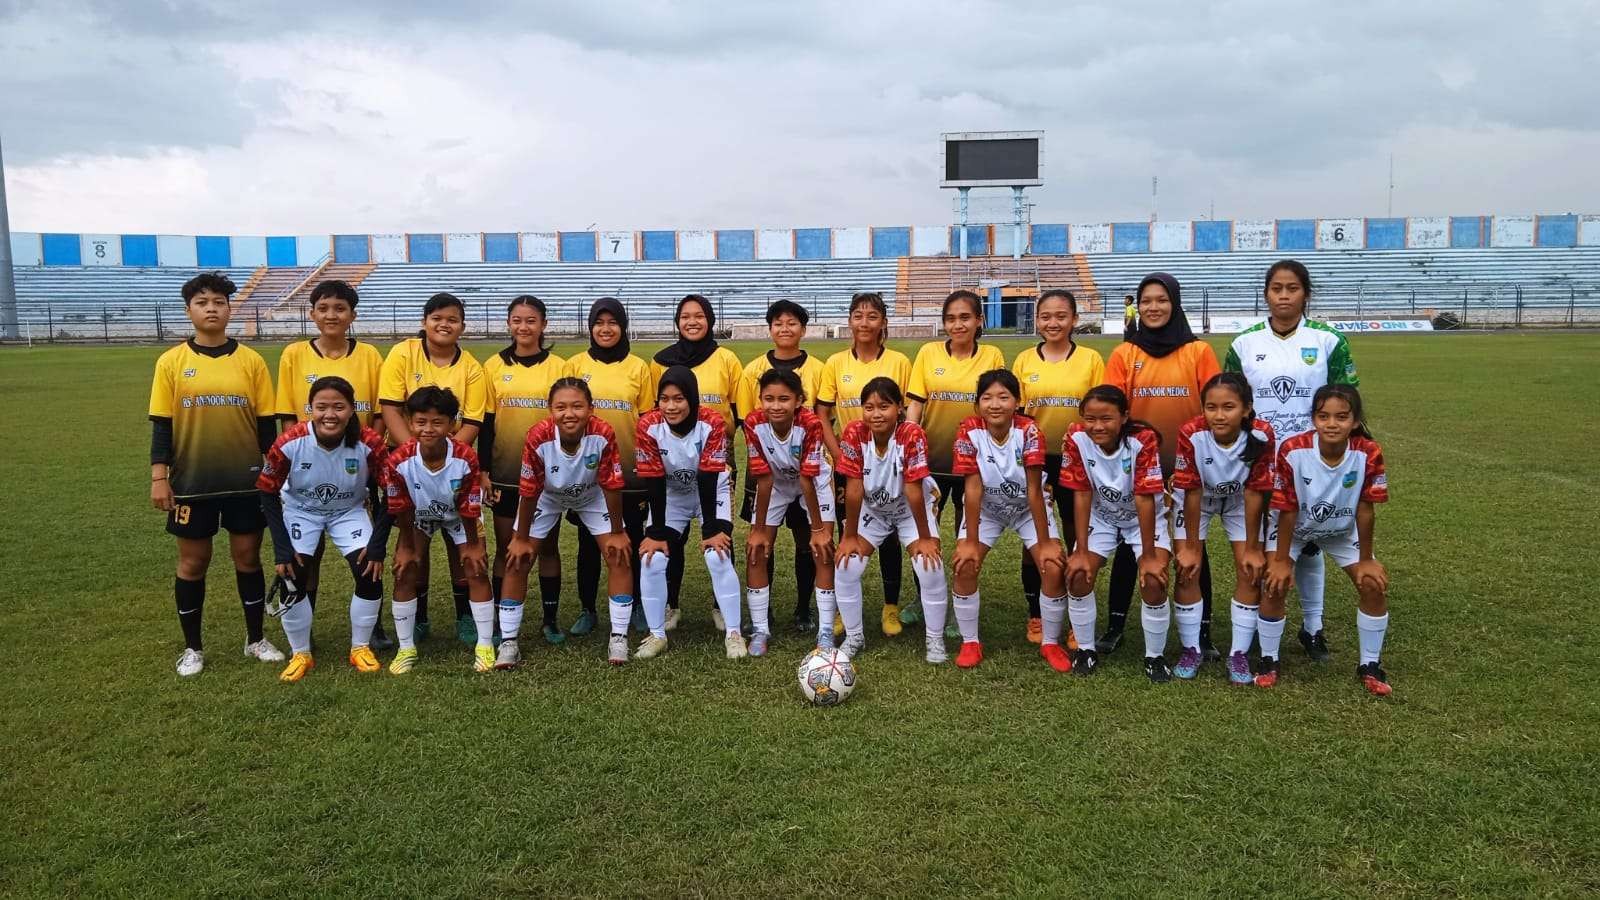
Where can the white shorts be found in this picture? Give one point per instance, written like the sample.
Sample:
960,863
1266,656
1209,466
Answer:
683,507
1229,509
1105,536
787,492
453,528
349,530
1344,548
874,527
990,529
547,515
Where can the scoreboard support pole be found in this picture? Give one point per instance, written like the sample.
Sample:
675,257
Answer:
1016,222
961,218
8,285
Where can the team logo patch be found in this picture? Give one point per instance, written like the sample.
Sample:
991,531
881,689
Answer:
455,484
592,461
1127,465
880,498
311,378
1110,494
325,492
1282,387
1321,510
1226,489
1308,355
350,466
1349,479
939,370
1013,491
846,378
683,477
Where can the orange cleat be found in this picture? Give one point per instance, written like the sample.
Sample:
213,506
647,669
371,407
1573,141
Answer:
362,659
1035,630
971,654
1056,656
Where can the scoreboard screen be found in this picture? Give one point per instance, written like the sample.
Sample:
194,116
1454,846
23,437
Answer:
991,159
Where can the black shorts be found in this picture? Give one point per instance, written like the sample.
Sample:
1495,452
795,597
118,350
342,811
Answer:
507,504
200,517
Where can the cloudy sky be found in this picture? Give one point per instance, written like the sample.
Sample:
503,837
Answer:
369,116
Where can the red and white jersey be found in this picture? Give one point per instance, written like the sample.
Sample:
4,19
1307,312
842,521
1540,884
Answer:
317,480
1003,465
1222,471
660,452
787,458
884,476
434,496
1113,478
1326,496
570,480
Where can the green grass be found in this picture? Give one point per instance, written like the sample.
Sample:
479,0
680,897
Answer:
696,775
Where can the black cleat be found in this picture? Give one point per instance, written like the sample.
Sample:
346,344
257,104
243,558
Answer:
1085,662
1155,669
1208,650
1316,646
380,641
1109,641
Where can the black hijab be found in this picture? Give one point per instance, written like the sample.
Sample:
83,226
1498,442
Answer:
1161,341
682,377
686,352
619,352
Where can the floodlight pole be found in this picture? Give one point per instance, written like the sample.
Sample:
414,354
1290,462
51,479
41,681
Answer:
8,285
961,217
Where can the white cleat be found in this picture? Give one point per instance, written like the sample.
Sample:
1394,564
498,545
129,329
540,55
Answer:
617,651
734,644
508,656
672,620
651,647
853,645
717,621
936,654
264,651
191,662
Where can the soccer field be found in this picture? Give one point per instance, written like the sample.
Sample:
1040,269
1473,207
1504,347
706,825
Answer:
697,775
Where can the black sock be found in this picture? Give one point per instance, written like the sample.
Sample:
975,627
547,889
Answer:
311,598
191,598
422,606
889,563
253,597
1030,584
805,582
550,598
675,573
498,582
1124,578
1205,592
463,603
588,571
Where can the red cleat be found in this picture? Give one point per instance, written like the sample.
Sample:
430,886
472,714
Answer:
1057,657
971,654
1375,680
1266,672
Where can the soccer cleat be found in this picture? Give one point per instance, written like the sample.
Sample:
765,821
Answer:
717,621
1189,659
508,656
1108,641
1208,650
617,649
1239,669
672,619
911,613
1316,646
404,661
838,625
651,647
853,645
971,654
1155,669
804,622
1072,641
264,651
936,654
362,659
1266,672
637,621
733,644
467,631
1056,656
587,620
298,666
1035,630
191,662
758,643
482,658
424,629
553,635
380,640
1373,678
1086,662
891,619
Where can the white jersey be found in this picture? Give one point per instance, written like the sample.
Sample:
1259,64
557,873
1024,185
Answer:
435,497
574,480
789,457
319,481
1002,465
884,476
1221,472
661,452
1284,372
1114,478
1325,497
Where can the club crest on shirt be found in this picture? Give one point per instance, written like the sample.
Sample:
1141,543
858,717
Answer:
455,484
350,466
189,373
1321,510
1349,479
592,461
1282,387
939,370
325,492
1127,465
1308,355
846,378
1110,494
311,378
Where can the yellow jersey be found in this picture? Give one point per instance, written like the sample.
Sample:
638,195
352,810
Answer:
749,395
622,391
1051,390
719,377
844,376
302,363
408,368
213,395
948,390
518,398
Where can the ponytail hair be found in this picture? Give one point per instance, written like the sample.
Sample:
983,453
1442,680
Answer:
1235,381
1348,394
352,428
1110,393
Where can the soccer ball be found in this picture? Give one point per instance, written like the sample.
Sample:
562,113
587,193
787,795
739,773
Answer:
826,677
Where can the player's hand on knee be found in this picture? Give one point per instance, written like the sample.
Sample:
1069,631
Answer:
1370,575
474,560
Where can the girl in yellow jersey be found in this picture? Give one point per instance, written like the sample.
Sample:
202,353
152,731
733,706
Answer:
1054,377
435,358
720,375
517,382
839,404
622,390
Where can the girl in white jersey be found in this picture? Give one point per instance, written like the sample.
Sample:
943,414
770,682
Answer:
317,479
682,453
1327,481
1223,470
1000,454
570,464
1112,463
889,493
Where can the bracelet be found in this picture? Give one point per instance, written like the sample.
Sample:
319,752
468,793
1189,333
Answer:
155,478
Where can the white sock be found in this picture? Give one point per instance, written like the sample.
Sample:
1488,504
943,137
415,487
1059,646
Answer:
510,618
1271,632
933,589
1244,625
966,615
827,608
1081,610
297,626
405,622
1188,619
725,587
363,615
1053,611
1156,620
483,618
1311,580
653,592
1372,630
847,578
758,600
621,606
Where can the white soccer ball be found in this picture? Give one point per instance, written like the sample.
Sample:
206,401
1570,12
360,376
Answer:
826,677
